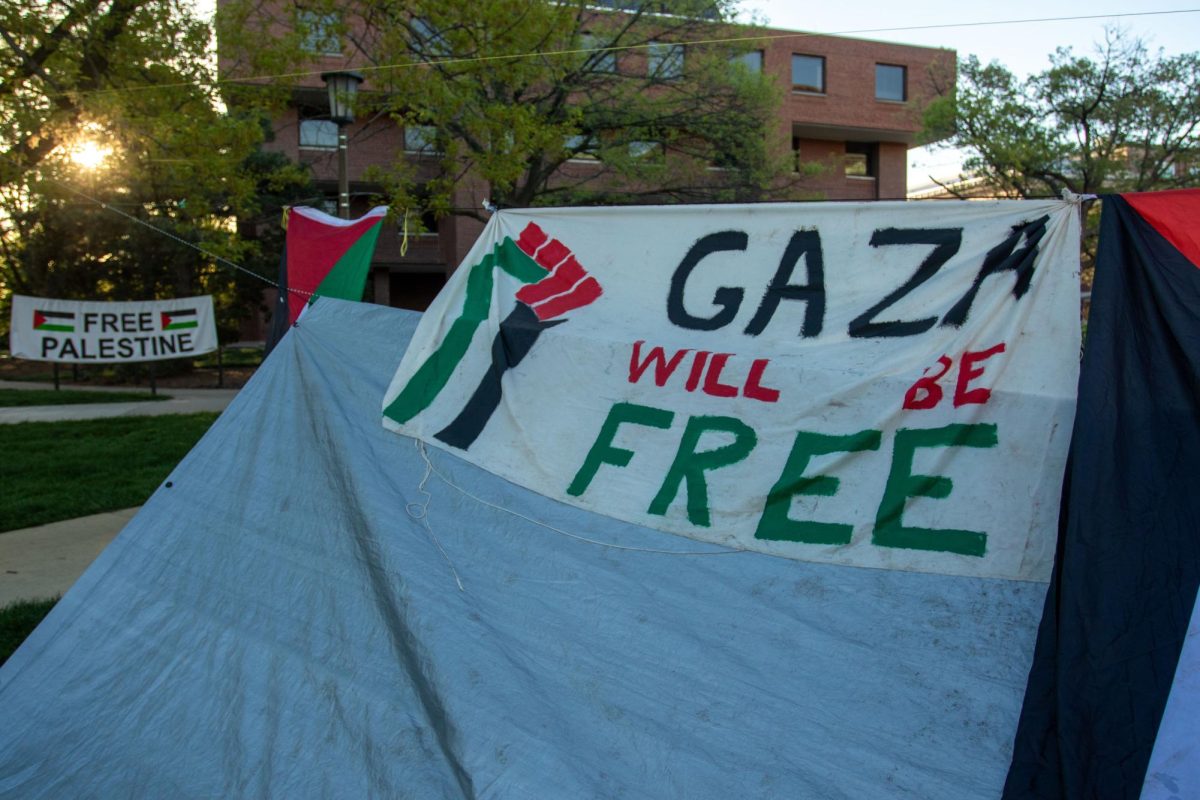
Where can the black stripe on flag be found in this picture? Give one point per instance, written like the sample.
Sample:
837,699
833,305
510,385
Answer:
184,312
279,312
1128,563
56,314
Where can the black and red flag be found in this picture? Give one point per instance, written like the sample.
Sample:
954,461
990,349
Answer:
1104,682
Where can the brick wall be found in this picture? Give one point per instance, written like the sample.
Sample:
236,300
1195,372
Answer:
893,171
832,183
849,98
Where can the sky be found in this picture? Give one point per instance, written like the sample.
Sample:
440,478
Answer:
1022,47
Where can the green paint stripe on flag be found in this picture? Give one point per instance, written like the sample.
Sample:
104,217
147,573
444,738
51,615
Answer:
348,276
432,376
174,326
59,328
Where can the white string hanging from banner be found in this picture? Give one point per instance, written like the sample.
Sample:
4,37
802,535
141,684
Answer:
420,512
430,468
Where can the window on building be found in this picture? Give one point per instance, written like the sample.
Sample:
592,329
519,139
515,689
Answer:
420,139
646,149
429,225
601,62
890,83
580,147
319,134
808,73
413,290
752,61
725,158
320,33
428,40
428,229
860,159
665,60
795,154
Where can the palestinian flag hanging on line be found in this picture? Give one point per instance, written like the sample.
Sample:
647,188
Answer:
324,256
59,321
1113,697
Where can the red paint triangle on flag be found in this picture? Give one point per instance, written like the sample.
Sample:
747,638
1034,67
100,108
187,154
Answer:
1175,214
318,243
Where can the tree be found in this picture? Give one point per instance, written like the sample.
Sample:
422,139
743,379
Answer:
130,82
1122,120
517,93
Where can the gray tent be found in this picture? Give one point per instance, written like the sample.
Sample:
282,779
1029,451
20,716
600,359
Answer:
283,619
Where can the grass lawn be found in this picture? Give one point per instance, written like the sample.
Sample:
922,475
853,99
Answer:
60,470
18,620
10,398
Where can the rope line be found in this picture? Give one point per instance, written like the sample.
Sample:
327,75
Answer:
214,256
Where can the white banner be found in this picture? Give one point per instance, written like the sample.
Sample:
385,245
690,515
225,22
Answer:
81,332
885,385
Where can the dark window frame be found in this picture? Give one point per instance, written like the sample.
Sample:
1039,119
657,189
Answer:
428,41
881,69
650,151
421,140
809,88
604,61
864,153
581,147
665,60
321,37
318,141
753,61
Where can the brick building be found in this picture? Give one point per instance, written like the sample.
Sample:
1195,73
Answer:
854,108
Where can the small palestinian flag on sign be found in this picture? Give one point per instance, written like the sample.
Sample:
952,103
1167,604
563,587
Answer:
60,321
178,320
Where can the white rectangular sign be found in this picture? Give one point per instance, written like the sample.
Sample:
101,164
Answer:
885,385
82,332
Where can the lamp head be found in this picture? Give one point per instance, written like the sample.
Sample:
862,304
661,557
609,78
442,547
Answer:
343,88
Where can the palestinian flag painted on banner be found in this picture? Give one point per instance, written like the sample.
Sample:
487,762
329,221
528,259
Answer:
58,321
325,256
1113,698
179,319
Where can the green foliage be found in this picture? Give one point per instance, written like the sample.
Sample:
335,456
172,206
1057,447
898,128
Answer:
17,621
134,80
1122,120
513,92
62,470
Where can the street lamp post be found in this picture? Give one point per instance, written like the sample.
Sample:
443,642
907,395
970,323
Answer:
343,87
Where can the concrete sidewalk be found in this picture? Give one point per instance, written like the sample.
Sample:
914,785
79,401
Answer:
183,401
45,561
